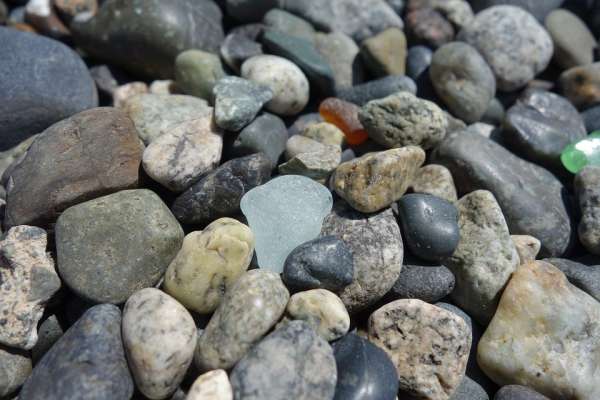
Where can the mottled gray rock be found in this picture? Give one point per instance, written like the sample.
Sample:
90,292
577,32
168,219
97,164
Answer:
282,21
587,187
248,310
531,197
377,89
49,332
218,193
469,390
463,80
585,277
159,336
310,372
88,362
403,119
15,368
316,164
513,43
197,72
341,52
27,281
574,43
517,392
110,247
376,246
429,283
266,134
538,9
237,101
435,180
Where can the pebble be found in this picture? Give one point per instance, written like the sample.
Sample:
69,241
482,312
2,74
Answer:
299,144
126,91
248,311
517,392
325,133
358,19
428,27
209,263
15,367
513,43
287,82
540,125
494,114
581,85
49,332
39,94
159,337
458,12
87,360
157,114
266,134
237,101
435,180
418,61
377,89
485,256
587,190
424,282
573,42
527,247
237,48
585,277
526,193
144,37
365,372
212,385
591,118
428,345
11,157
342,55
403,119
284,213
576,156
376,246
463,80
376,180
282,21
110,247
27,282
322,263
469,390
539,9
532,345
317,164
385,53
430,226
197,72
180,156
310,371
304,121
344,115
218,193
322,310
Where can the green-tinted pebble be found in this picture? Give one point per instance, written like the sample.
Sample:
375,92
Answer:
584,152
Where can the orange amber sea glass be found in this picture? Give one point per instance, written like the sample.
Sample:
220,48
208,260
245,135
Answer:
344,115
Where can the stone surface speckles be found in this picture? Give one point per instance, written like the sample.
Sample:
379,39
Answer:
237,101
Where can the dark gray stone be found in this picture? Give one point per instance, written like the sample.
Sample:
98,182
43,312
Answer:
516,392
365,372
302,122
87,363
237,101
43,81
417,61
266,134
249,10
429,283
469,390
531,198
49,332
538,8
322,263
309,371
591,118
237,48
585,277
15,367
540,125
219,192
145,36
377,89
429,225
587,189
113,246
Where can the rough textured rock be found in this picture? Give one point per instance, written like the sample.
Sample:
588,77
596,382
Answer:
429,283
376,246
513,43
159,336
39,94
544,325
212,385
110,247
376,180
266,134
531,198
310,372
428,345
27,281
209,263
527,247
218,193
249,309
585,277
485,256
573,42
91,154
587,187
15,367
145,37
403,119
435,180
88,362
237,101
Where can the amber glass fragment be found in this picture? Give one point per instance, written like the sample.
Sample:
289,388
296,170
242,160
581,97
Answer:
344,115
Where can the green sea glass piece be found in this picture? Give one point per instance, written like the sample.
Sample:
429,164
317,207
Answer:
584,152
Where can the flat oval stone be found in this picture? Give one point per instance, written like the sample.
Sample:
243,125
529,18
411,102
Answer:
15,367
159,336
309,374
209,263
430,226
218,193
424,282
574,43
284,213
145,36
113,246
517,392
435,180
513,43
237,101
365,372
87,360
322,263
376,180
376,246
377,89
212,385
249,309
197,72
266,134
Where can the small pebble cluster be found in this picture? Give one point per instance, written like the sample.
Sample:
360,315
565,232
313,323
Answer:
299,200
